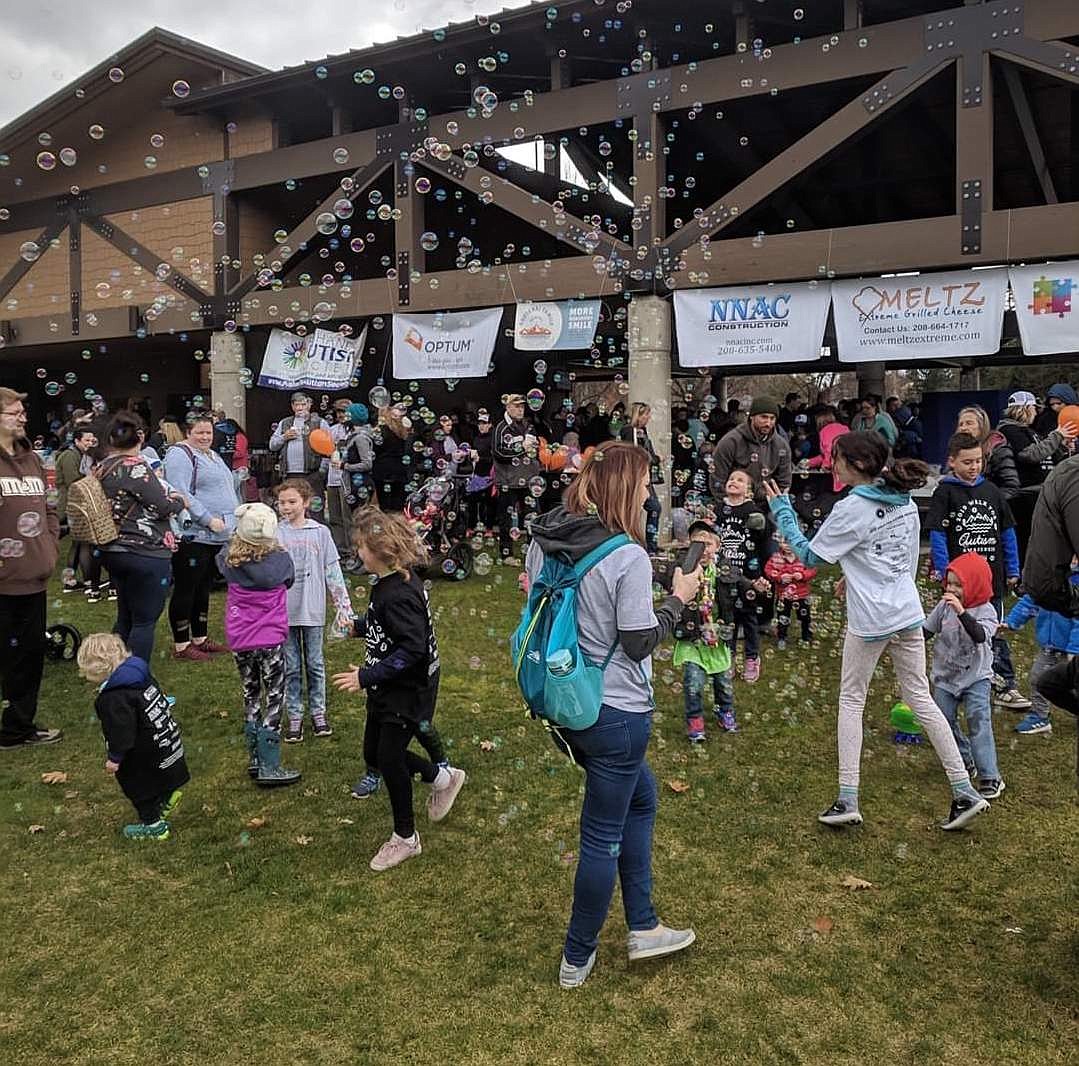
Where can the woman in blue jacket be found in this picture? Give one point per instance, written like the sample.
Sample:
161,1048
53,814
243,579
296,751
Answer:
195,469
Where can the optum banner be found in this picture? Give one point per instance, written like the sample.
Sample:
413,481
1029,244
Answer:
751,324
456,344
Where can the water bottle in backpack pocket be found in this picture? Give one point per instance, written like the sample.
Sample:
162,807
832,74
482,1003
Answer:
558,682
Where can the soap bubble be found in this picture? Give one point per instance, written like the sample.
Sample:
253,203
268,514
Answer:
379,397
180,88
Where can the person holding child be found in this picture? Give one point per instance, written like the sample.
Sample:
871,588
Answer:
258,572
700,648
316,567
873,534
400,675
963,623
792,580
144,751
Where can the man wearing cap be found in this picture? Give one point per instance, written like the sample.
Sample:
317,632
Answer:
755,447
515,451
291,440
1035,456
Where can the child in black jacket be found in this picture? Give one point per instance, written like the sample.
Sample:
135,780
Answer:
141,736
400,674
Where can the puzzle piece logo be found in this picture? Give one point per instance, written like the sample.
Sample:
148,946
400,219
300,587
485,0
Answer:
1052,296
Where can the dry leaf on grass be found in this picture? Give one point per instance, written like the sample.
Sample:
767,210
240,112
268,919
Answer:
487,745
222,714
37,829
345,821
822,924
678,785
257,822
303,840
309,792
856,883
54,777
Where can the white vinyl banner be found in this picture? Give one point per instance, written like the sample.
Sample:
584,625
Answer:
926,316
546,326
456,344
751,324
323,360
1045,307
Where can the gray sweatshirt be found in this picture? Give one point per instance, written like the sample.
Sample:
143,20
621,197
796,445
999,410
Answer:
959,658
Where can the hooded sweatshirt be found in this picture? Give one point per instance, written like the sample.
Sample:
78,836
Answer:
256,604
1053,631
873,535
29,528
965,517
206,480
762,458
1046,422
140,732
614,604
962,651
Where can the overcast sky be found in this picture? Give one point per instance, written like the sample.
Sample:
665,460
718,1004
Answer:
46,45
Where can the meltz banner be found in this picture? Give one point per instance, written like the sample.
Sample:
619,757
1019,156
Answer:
324,360
925,316
456,344
547,326
751,324
1045,307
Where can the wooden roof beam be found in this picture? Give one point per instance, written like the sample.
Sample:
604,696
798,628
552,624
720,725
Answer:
23,267
1025,118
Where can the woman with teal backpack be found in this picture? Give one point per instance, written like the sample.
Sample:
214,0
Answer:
618,627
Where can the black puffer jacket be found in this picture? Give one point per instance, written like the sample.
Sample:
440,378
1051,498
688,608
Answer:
1054,539
1000,466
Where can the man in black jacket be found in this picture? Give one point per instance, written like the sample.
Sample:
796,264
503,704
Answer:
514,448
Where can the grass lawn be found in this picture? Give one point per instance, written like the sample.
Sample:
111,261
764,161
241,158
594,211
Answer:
276,944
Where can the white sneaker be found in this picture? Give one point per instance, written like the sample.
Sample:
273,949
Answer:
570,976
395,851
653,943
1013,699
441,799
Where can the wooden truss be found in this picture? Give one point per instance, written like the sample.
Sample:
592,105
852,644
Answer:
904,54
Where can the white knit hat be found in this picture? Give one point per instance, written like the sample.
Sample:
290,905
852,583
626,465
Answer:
256,523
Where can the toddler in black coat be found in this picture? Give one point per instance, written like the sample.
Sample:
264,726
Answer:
142,738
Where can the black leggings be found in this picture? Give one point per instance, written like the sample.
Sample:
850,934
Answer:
192,575
385,745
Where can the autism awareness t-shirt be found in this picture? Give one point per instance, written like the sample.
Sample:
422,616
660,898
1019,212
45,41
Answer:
876,544
973,518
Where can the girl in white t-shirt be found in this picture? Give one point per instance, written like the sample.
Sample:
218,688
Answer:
873,535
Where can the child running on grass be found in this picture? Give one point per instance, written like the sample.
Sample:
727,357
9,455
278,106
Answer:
400,674
317,568
964,623
700,648
873,535
258,572
1058,641
142,739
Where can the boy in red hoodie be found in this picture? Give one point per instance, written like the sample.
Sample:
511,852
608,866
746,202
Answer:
791,578
964,624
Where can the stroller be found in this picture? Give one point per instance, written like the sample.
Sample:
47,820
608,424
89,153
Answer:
62,642
437,511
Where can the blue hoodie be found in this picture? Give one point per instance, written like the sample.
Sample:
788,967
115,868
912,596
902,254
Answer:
1054,631
133,672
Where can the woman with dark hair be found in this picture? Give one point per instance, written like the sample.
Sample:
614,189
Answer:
616,626
873,534
392,461
194,468
139,561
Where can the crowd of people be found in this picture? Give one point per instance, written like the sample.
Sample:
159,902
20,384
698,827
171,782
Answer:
157,519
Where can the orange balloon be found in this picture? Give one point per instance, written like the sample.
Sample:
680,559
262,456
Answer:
1069,416
321,442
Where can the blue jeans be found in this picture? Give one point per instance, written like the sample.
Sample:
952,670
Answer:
616,827
142,583
303,654
694,680
980,749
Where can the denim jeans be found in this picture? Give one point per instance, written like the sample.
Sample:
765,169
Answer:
694,680
980,748
142,583
303,654
617,818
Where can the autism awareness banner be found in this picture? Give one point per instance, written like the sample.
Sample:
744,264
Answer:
925,316
751,324
456,344
1045,306
555,326
324,360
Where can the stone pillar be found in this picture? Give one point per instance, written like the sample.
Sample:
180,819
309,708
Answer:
970,378
227,373
871,379
650,382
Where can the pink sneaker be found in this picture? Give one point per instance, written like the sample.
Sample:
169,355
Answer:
441,799
751,672
395,851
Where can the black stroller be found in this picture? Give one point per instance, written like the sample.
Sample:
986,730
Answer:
437,511
62,642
